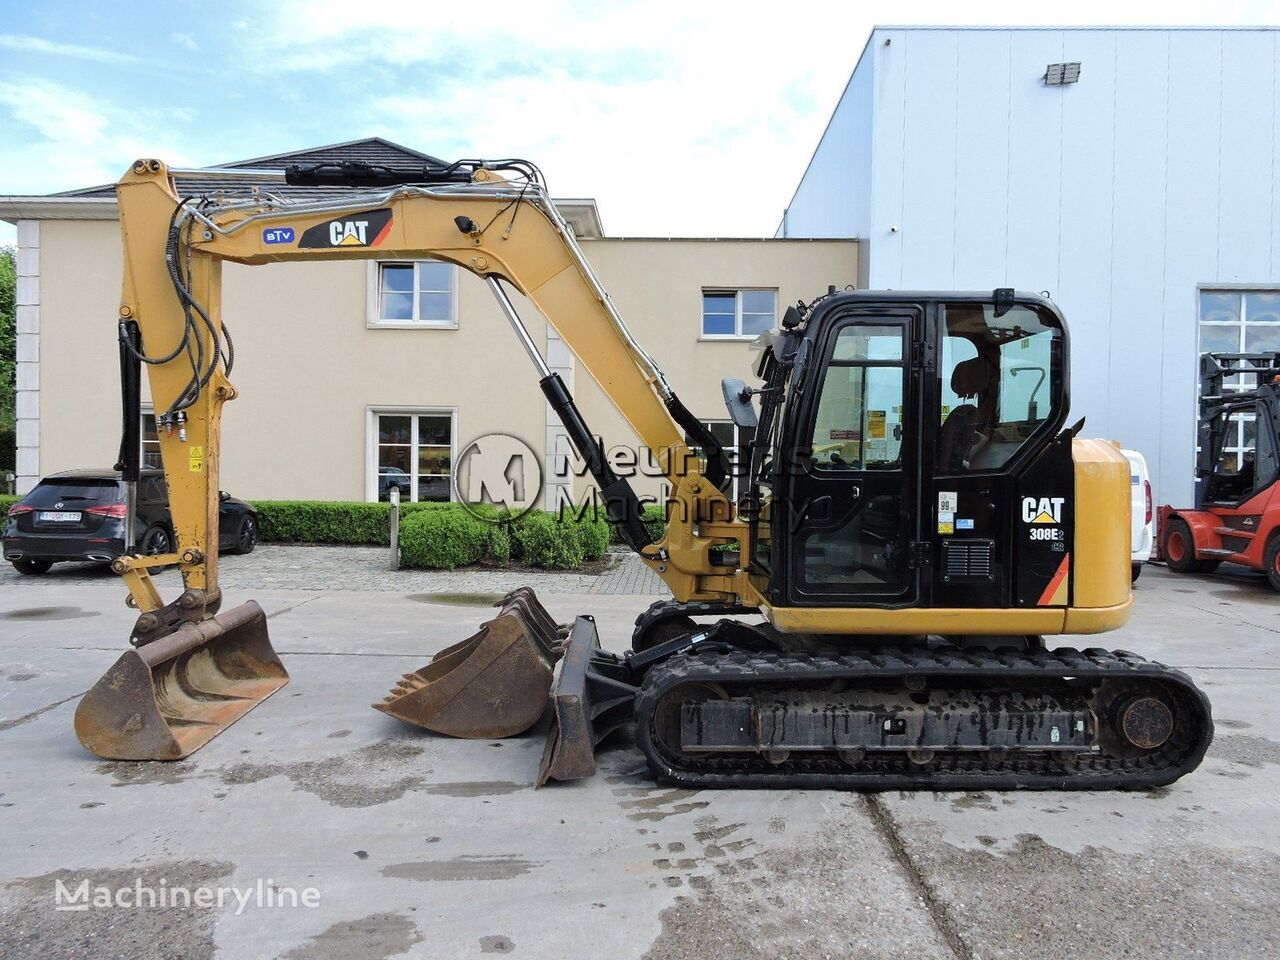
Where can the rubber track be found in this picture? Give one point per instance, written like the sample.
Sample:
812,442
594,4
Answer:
667,609
1181,754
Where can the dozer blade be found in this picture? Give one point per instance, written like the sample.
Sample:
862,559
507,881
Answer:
168,698
590,698
491,685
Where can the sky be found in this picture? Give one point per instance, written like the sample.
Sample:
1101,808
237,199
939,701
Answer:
679,118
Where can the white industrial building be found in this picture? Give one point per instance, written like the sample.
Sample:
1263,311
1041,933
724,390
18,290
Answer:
1130,173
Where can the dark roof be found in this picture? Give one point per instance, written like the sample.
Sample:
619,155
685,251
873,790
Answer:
369,150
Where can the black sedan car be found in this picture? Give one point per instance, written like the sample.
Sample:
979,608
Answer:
80,515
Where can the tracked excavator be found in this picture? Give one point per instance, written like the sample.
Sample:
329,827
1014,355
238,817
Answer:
879,609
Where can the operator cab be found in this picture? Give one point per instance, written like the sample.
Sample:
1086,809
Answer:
909,417
1239,444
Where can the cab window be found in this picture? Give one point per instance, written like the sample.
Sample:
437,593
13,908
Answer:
1001,380
859,420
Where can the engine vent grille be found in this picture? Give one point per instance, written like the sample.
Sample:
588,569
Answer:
967,560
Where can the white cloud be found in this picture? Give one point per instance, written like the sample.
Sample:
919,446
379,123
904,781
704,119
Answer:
28,44
80,140
681,118
184,40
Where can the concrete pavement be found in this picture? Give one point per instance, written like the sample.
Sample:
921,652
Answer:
419,846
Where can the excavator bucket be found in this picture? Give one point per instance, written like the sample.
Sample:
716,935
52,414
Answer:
491,685
168,698
591,696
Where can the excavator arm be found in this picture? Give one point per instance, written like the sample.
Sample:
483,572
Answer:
194,670
503,230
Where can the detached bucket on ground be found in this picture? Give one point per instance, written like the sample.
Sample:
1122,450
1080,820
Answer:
494,684
168,698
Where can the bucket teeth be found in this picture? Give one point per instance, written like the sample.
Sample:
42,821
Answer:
493,684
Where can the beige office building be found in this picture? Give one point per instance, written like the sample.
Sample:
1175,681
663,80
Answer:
358,376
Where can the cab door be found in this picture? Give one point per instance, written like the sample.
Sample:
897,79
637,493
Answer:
851,509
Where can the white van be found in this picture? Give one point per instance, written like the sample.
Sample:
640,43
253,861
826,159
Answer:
1142,521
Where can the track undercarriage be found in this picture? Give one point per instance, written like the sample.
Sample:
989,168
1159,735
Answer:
736,705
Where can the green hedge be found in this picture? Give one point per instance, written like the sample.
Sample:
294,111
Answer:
7,501
441,535
325,521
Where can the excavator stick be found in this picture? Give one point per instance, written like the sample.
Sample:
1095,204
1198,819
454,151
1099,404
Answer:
491,685
169,697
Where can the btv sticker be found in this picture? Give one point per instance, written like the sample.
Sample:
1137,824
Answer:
278,235
367,229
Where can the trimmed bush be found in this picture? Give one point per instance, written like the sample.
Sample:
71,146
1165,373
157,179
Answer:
499,526
655,518
7,501
547,542
442,539
592,530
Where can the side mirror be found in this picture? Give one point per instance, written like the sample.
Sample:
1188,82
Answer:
737,400
223,495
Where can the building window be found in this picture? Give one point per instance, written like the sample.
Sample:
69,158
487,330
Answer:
415,294
1240,321
738,313
150,441
414,453
736,442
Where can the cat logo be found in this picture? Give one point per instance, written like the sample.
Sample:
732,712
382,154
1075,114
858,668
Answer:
367,229
1042,509
348,233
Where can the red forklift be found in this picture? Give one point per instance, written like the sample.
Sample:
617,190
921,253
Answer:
1237,514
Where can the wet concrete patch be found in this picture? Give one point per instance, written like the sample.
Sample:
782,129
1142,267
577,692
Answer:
31,927
657,803
459,599
504,867
130,773
375,937
1174,901
374,774
477,788
48,613
967,801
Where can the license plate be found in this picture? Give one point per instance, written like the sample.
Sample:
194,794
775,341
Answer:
59,516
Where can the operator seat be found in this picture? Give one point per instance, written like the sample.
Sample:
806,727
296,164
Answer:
967,427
